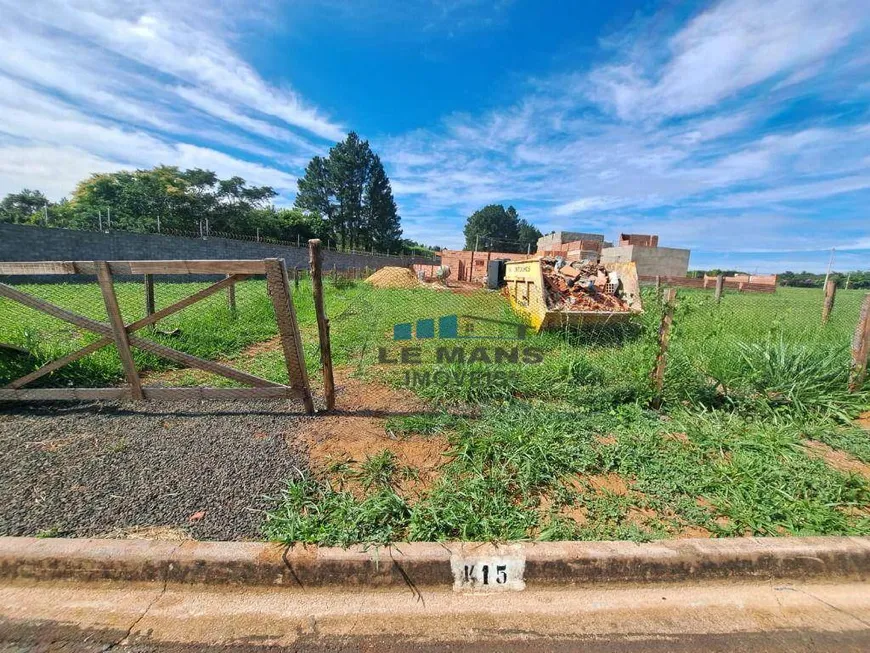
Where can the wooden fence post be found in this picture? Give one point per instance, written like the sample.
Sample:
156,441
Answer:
664,340
119,329
828,305
231,297
296,277
720,286
861,347
658,284
149,295
288,328
314,263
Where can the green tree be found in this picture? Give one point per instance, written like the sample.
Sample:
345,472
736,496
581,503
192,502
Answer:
380,218
494,227
19,207
528,237
352,192
315,190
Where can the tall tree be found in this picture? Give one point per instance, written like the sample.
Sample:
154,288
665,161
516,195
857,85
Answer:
381,220
349,163
351,190
493,227
315,190
528,236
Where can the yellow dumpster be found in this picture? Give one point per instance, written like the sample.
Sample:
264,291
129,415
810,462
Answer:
524,285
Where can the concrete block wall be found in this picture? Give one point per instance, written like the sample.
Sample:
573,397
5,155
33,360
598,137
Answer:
555,240
651,261
31,243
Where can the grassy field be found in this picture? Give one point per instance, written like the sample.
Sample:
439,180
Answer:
564,448
567,448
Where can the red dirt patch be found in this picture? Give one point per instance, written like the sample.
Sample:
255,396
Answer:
692,531
611,482
578,514
837,459
606,440
864,421
356,432
265,347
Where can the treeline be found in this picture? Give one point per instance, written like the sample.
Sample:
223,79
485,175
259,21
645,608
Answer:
358,210
857,279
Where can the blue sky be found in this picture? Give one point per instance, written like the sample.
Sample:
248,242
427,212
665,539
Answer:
739,129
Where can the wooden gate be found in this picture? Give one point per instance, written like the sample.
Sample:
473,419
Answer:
123,336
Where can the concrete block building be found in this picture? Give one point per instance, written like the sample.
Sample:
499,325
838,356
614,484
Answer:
650,261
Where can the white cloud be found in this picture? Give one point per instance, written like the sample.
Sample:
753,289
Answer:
795,192
43,122
53,170
172,39
139,84
727,49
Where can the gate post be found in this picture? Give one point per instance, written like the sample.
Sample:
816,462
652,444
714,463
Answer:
322,323
288,329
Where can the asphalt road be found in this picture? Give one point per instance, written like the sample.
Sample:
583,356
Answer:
712,617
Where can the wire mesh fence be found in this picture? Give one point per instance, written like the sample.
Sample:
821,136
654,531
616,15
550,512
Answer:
403,342
451,345
162,331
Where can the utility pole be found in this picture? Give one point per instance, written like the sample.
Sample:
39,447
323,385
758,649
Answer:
158,223
830,264
848,278
109,215
45,213
100,219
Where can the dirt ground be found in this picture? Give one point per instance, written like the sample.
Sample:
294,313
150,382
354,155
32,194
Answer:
356,431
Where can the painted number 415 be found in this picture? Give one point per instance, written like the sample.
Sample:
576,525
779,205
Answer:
485,574
503,572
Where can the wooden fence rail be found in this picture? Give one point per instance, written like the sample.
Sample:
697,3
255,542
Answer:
123,335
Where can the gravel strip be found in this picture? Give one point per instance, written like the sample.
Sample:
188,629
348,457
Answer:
176,470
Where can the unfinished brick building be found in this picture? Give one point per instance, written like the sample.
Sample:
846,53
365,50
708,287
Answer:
472,266
643,240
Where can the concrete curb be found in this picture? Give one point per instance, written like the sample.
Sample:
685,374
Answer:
428,564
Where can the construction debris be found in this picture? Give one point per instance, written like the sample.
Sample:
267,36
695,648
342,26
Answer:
582,286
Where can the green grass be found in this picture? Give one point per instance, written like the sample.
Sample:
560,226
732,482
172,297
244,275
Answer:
511,472
748,382
207,329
